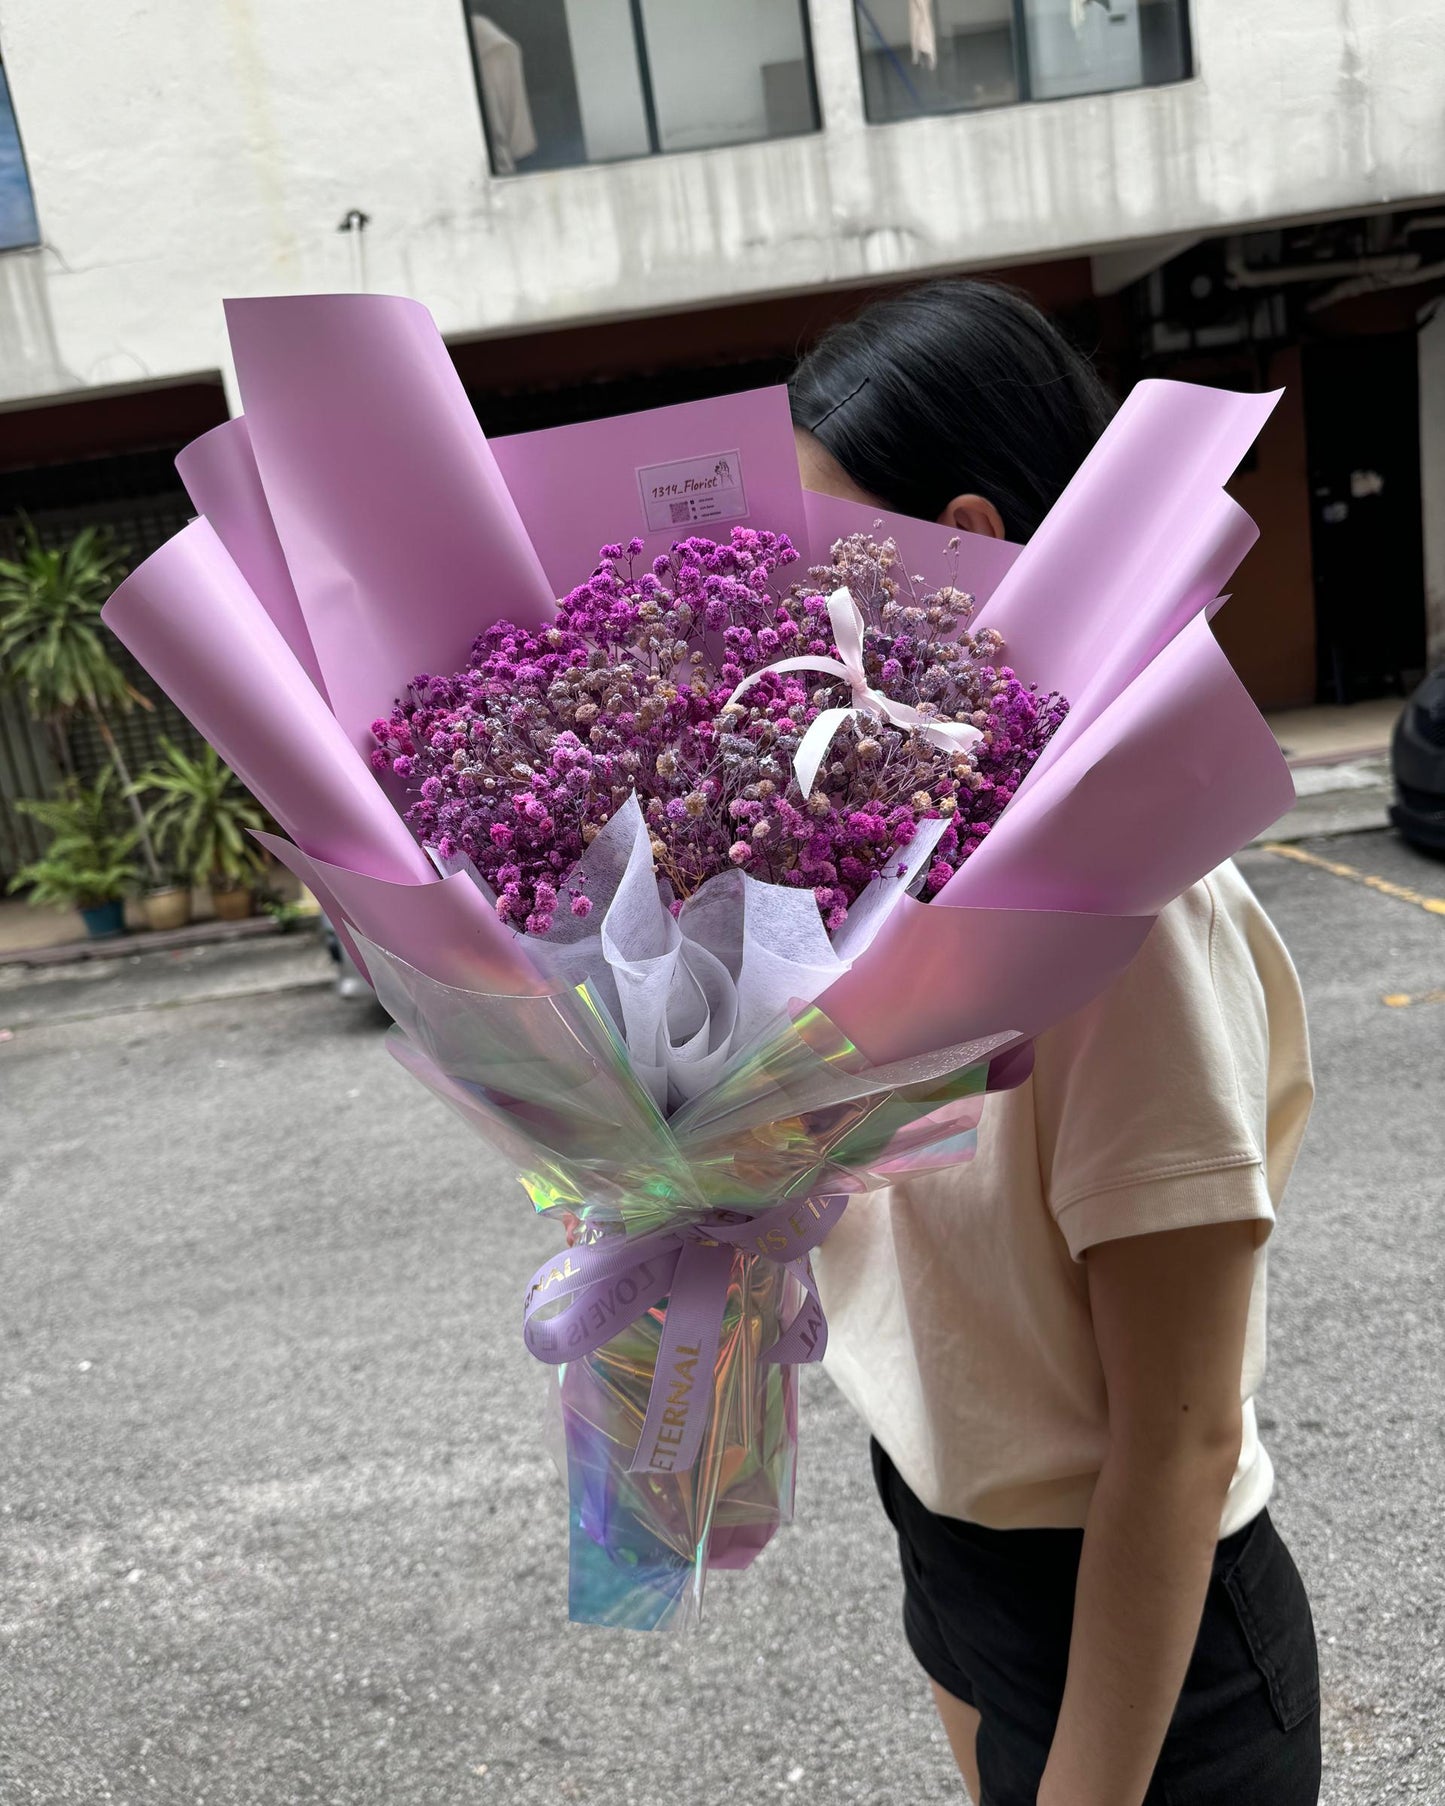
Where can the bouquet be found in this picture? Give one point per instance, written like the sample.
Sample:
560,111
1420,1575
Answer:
674,729
727,886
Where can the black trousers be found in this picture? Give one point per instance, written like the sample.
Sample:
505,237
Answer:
988,1613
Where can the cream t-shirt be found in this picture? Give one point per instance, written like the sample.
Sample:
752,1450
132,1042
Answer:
958,1308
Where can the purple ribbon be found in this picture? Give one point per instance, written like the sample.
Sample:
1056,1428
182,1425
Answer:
604,1288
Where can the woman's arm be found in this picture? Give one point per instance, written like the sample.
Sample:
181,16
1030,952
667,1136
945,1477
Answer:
1169,1316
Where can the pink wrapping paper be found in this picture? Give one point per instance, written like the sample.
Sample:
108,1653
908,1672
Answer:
392,535
196,625
579,487
1143,539
1162,769
398,530
220,474
436,926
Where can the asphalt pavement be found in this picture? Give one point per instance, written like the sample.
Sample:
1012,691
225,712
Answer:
277,1519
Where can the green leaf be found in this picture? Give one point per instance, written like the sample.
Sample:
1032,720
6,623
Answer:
91,857
201,815
54,649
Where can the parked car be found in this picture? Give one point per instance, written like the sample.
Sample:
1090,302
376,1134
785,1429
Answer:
1417,760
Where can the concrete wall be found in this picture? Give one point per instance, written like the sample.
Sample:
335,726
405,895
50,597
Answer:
182,151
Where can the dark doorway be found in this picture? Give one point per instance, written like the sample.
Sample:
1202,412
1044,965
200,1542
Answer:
1362,429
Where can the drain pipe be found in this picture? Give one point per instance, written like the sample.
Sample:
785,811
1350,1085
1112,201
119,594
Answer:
353,224
1368,285
1239,275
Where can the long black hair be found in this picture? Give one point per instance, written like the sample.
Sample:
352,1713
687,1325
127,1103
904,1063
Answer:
951,388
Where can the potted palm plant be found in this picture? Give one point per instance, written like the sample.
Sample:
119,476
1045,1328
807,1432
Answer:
90,864
200,817
55,651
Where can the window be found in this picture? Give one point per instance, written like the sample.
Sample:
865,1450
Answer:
18,226
948,56
565,82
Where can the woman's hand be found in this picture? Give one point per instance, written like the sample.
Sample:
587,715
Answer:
1170,1311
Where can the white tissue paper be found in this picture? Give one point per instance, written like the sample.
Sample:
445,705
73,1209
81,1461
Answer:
687,992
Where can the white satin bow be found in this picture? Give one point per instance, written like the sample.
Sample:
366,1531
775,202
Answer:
847,621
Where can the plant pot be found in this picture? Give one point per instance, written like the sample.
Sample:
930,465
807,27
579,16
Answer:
102,919
233,905
169,907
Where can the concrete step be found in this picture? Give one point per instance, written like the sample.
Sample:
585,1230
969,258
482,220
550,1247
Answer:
1345,797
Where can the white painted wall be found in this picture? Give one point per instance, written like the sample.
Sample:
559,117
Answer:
182,150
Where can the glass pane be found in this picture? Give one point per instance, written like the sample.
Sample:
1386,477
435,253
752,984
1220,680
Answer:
973,62
1083,46
1164,39
728,74
18,224
559,81
1091,46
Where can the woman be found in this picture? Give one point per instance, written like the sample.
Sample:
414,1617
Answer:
1057,1346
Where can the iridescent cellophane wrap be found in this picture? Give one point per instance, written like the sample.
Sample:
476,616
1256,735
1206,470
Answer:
547,1080
641,1543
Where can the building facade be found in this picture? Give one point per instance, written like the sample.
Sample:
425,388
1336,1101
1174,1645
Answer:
611,202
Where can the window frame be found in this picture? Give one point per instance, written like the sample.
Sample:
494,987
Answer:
1023,73
27,244
649,104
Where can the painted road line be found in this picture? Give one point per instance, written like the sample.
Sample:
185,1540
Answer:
1402,893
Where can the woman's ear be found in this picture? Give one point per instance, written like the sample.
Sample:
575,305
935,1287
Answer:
973,514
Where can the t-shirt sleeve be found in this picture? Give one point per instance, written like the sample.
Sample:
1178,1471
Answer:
1157,1103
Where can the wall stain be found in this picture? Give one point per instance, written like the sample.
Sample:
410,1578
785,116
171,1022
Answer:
30,360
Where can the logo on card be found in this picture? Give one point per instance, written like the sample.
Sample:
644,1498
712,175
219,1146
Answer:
692,491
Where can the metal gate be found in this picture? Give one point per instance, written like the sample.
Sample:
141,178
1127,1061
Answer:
26,769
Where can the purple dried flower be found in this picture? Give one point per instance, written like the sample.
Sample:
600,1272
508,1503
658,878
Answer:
523,756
